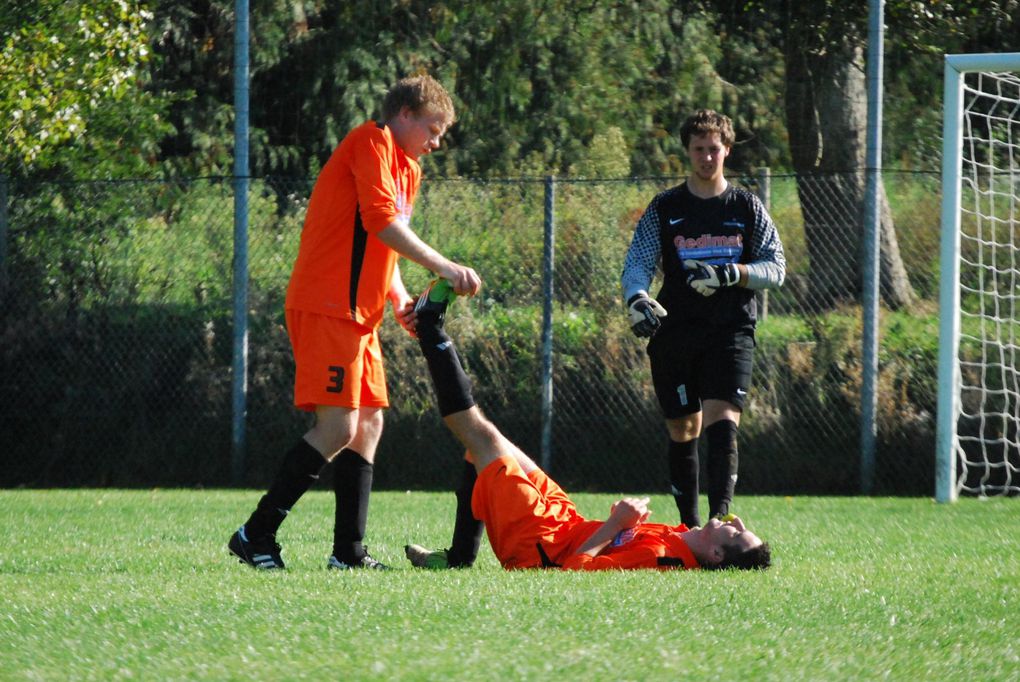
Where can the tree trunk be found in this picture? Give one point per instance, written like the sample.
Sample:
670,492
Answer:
894,285
826,113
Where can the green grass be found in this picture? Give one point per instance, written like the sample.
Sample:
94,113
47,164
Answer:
110,584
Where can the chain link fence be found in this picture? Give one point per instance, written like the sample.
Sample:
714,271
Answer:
116,338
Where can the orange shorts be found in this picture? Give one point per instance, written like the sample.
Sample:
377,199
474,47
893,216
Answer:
521,510
338,362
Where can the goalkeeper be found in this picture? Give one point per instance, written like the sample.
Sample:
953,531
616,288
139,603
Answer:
530,521
716,244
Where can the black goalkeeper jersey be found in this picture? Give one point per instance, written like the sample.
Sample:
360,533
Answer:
716,230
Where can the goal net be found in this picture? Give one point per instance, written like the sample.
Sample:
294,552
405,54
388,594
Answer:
978,439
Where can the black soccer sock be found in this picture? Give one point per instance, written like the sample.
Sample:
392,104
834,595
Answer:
352,483
722,466
298,472
683,479
451,383
467,530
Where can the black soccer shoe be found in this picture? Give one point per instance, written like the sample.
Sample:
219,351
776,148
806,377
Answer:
431,306
364,562
260,553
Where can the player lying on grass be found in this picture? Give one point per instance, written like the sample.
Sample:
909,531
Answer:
530,521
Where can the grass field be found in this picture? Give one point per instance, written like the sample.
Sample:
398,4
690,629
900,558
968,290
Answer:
111,584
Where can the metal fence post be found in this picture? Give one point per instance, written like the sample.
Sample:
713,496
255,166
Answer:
765,194
548,248
239,387
871,251
3,236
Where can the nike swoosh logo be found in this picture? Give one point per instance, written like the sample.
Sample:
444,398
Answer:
674,221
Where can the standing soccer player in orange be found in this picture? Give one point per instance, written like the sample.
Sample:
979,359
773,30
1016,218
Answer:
356,228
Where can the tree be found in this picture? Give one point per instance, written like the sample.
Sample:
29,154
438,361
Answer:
918,37
534,82
825,104
826,117
823,45
70,88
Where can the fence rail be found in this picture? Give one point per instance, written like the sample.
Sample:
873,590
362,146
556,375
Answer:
117,337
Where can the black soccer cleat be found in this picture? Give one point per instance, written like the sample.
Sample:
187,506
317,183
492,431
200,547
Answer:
431,305
260,553
364,562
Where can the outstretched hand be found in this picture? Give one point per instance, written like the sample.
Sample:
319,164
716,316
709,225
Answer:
644,313
405,315
706,278
465,280
629,512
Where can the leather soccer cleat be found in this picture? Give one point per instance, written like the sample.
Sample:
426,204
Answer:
426,558
364,562
260,553
431,305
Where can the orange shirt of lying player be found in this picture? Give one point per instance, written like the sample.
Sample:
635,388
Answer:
532,523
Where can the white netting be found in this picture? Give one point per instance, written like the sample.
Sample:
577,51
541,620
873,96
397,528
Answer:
988,437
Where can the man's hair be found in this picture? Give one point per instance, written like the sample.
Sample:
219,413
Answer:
705,121
421,94
758,558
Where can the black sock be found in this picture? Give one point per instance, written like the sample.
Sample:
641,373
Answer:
299,471
451,384
352,483
467,530
722,466
683,478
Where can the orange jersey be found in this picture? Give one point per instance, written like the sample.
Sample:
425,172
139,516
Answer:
531,523
343,269
650,545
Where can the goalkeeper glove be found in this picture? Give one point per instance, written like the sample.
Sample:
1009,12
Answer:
706,278
644,314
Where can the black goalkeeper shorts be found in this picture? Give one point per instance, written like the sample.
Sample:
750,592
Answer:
689,367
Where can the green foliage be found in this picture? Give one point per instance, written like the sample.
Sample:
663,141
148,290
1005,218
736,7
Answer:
70,88
913,200
194,56
166,244
607,156
557,86
158,278
918,37
861,588
538,86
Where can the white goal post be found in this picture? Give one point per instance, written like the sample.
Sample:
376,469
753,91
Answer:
977,447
